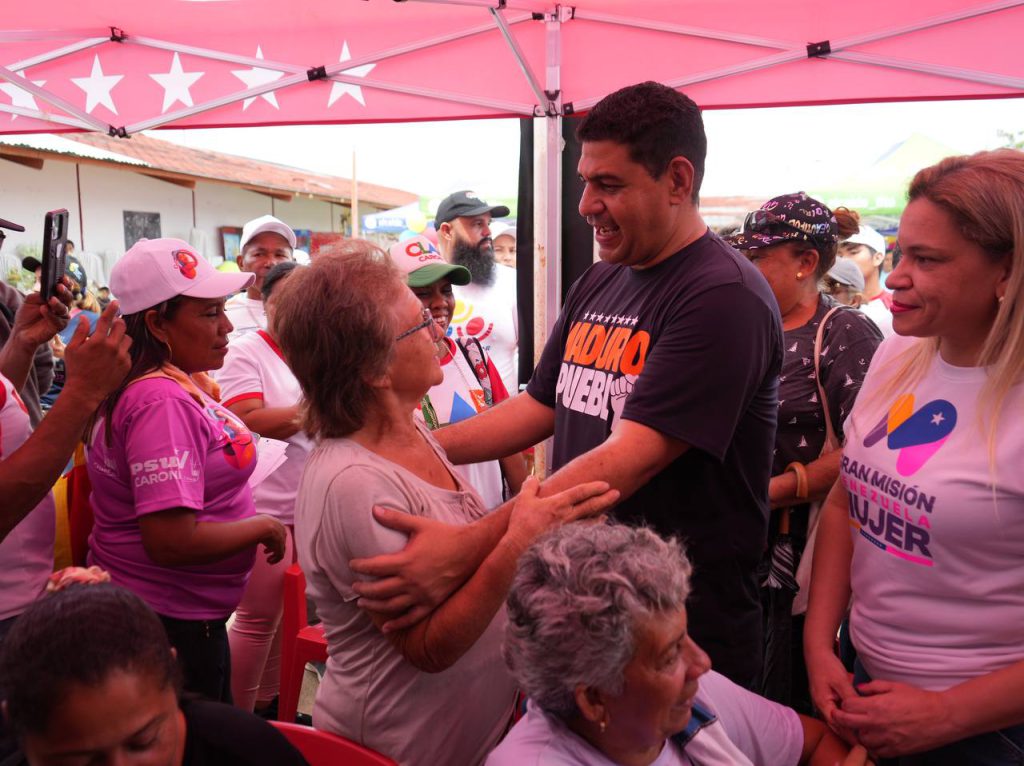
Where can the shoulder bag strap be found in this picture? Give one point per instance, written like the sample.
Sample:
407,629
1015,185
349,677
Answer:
831,441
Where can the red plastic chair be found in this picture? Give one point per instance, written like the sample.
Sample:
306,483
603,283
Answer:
300,643
322,748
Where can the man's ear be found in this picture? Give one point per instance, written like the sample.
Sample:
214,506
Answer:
877,258
680,175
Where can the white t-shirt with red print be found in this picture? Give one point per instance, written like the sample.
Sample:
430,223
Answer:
256,369
490,314
26,554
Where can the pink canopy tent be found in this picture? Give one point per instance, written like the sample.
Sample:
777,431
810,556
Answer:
122,66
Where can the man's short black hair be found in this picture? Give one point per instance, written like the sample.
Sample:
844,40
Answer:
656,122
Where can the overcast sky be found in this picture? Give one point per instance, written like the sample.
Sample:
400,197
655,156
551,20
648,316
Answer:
759,152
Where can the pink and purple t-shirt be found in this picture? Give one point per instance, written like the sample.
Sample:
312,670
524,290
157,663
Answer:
26,554
168,450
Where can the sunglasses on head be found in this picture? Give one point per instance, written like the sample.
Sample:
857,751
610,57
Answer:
765,220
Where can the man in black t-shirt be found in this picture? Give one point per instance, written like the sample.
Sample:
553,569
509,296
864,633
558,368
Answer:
660,375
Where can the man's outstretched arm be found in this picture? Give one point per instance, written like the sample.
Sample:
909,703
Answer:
439,558
506,429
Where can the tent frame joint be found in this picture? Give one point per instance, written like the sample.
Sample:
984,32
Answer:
117,132
117,35
819,50
317,73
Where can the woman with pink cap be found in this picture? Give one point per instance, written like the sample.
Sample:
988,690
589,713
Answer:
169,466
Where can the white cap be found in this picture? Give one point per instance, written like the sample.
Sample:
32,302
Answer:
499,229
867,236
422,265
266,223
156,270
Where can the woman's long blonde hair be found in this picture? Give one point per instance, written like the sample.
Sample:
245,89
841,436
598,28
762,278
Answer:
983,193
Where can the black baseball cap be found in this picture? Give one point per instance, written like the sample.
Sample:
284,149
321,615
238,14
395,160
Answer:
463,203
789,217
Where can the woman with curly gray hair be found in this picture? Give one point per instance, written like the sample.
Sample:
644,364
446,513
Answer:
598,639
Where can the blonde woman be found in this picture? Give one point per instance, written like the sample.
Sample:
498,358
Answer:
925,528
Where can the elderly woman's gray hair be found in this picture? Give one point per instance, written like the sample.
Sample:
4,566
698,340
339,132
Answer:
574,606
336,328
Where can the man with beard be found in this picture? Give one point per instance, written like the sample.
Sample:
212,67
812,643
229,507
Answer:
660,377
266,242
486,307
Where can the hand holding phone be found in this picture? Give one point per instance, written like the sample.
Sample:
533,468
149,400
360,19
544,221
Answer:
54,260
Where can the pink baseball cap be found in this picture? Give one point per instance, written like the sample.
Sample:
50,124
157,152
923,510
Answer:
156,270
423,265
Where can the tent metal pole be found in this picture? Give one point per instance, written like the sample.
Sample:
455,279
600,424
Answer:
524,65
35,114
552,208
955,73
67,50
680,29
949,18
525,110
57,101
231,98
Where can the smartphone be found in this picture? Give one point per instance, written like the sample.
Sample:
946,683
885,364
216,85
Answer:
54,260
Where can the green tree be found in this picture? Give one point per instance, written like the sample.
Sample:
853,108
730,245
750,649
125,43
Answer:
1012,139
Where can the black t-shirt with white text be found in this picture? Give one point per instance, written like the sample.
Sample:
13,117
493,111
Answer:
692,348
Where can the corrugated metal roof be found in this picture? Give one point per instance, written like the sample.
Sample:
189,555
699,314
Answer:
146,151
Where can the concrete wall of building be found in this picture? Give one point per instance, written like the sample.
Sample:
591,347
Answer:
108,191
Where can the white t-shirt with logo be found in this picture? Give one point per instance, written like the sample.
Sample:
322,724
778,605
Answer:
490,315
458,397
26,554
246,314
938,551
255,369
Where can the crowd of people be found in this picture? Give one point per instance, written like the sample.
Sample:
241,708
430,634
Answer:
748,457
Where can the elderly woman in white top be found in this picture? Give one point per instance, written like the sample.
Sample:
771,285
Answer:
365,351
598,638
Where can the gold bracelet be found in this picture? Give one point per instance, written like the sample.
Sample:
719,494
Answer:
800,471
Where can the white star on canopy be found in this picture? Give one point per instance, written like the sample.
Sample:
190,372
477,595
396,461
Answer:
257,76
176,84
20,97
97,87
339,89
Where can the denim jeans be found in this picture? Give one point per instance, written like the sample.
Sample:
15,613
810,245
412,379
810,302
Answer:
203,654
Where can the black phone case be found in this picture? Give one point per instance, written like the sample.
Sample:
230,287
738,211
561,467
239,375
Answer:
55,238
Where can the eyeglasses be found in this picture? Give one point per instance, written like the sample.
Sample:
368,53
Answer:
428,322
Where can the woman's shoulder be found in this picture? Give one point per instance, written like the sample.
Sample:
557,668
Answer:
142,393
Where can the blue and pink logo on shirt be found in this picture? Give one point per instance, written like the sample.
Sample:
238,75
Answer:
917,435
240,449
